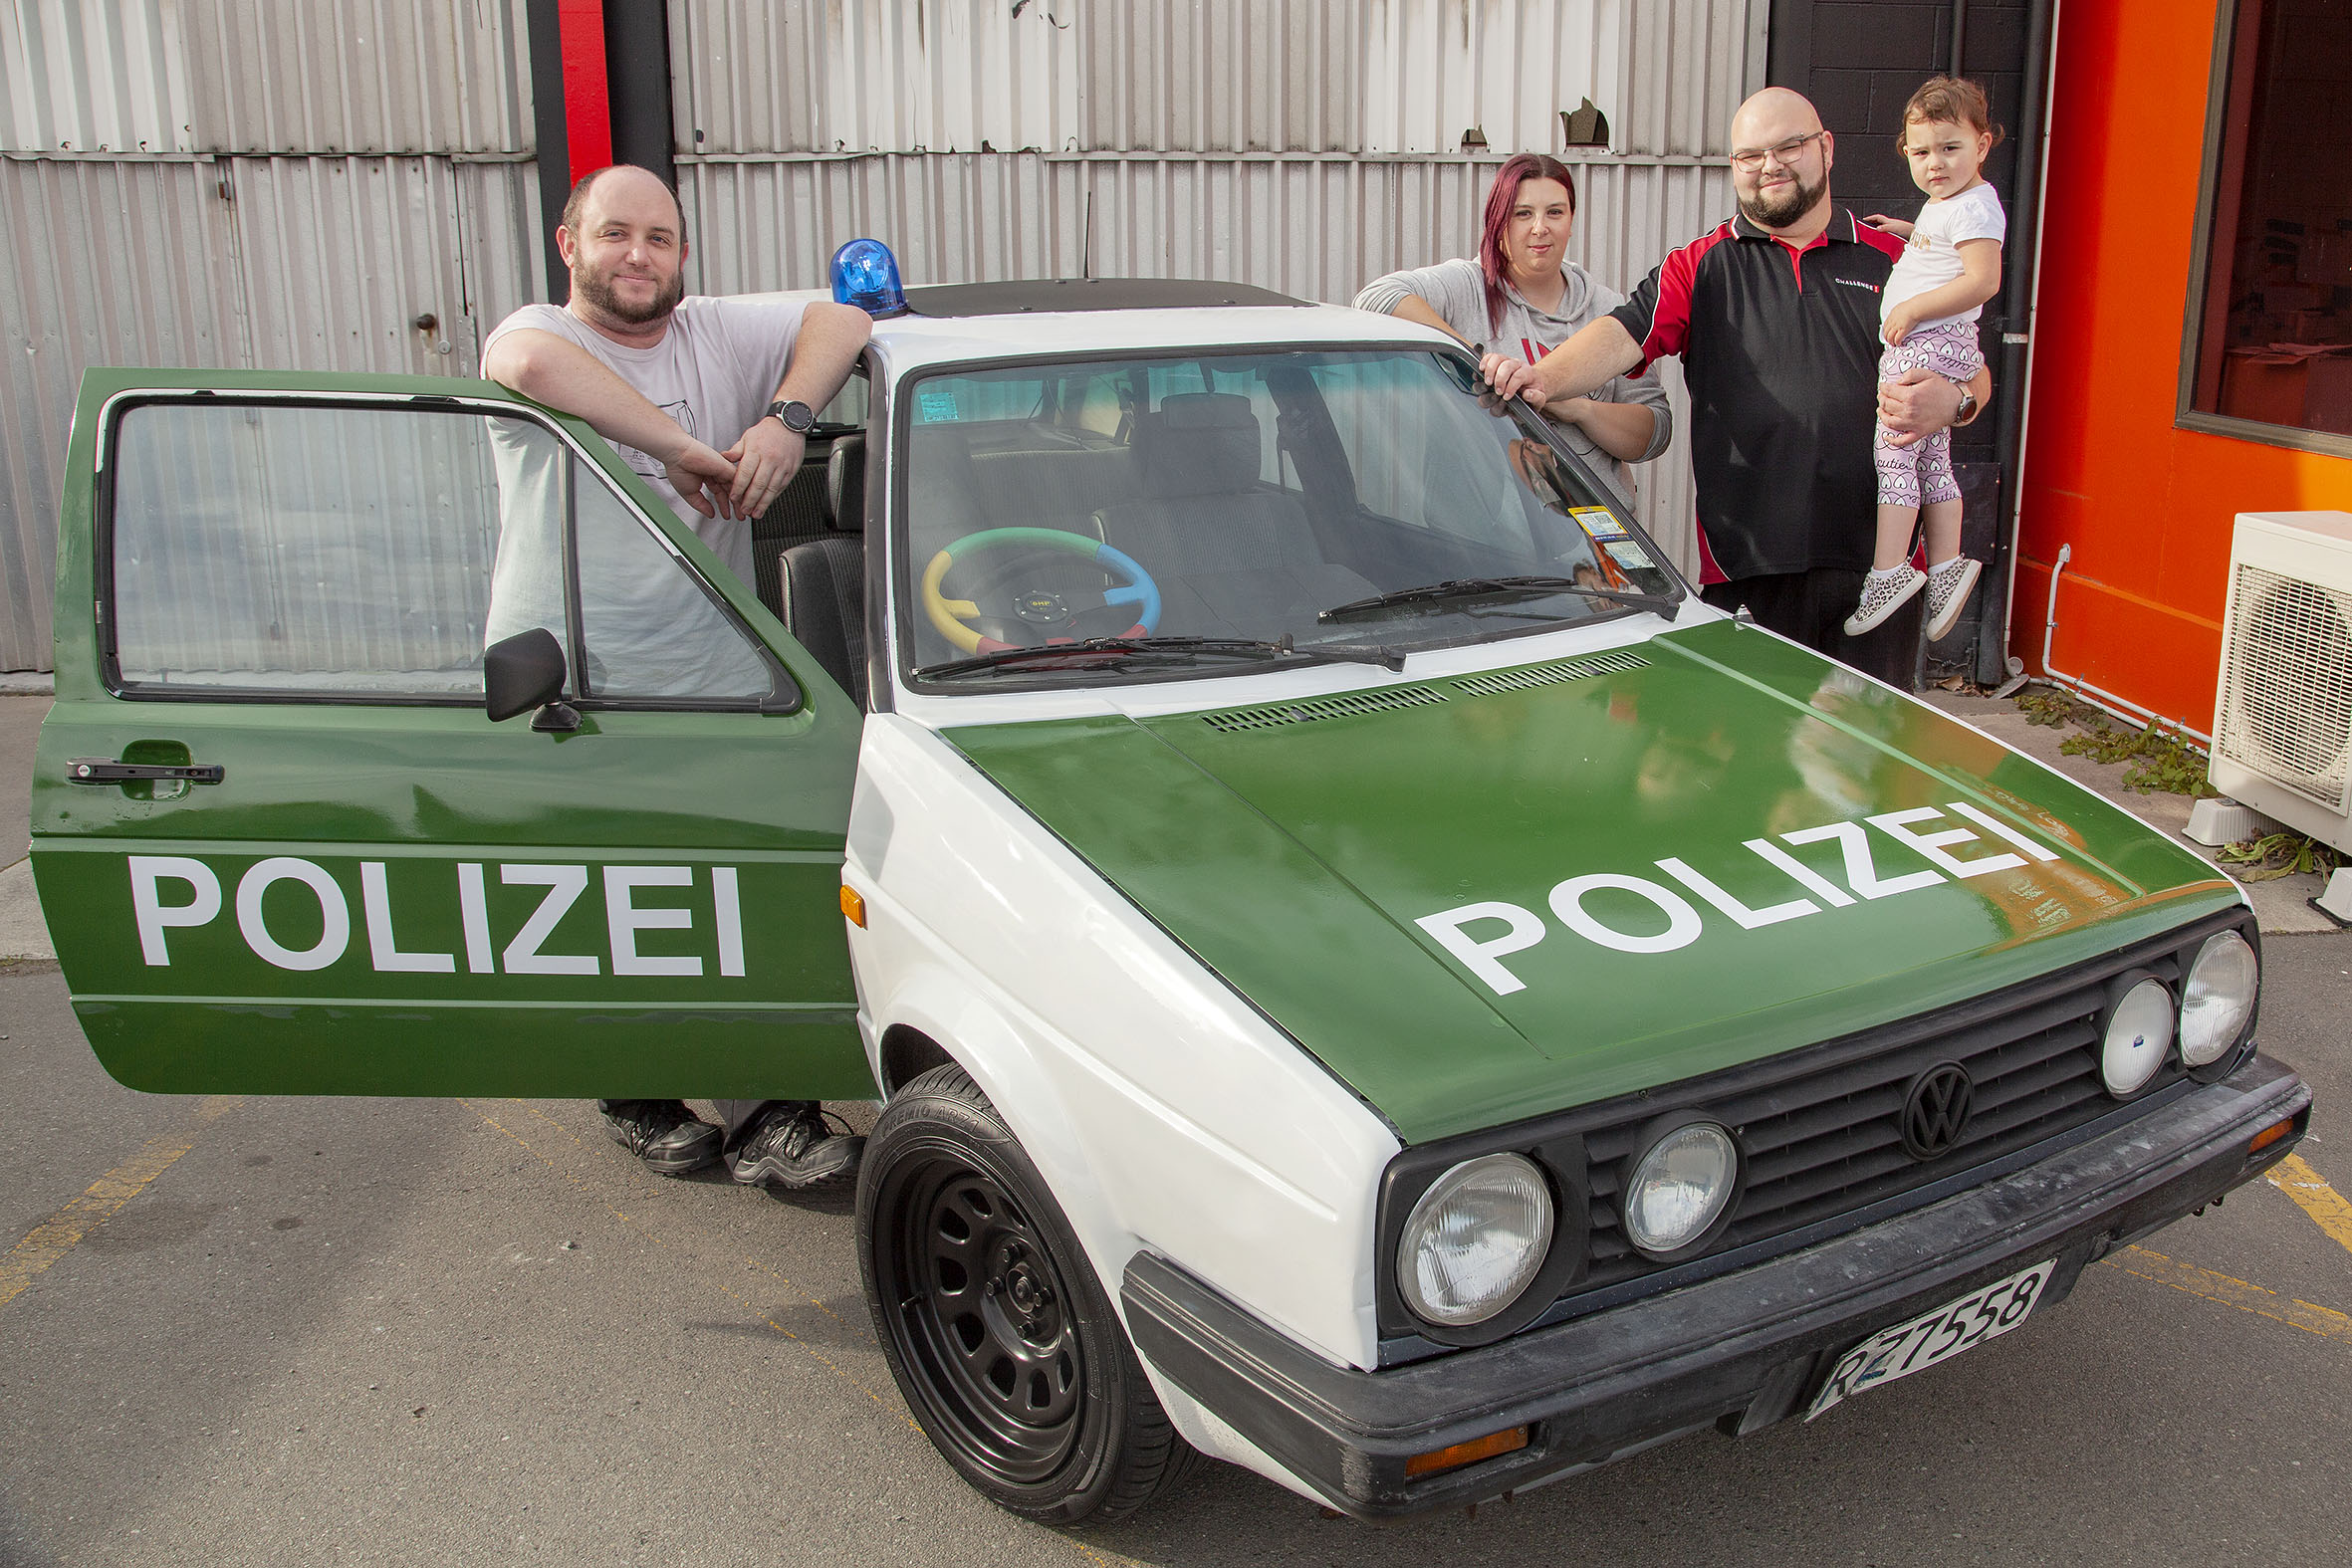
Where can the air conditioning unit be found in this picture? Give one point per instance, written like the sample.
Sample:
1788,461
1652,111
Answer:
2282,720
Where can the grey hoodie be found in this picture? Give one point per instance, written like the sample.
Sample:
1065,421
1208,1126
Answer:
1456,290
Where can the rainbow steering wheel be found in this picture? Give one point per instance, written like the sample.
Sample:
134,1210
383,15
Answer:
1038,606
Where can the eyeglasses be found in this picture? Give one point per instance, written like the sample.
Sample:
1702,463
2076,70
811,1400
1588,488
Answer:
1785,155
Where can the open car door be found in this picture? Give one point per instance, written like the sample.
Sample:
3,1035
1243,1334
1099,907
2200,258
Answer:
282,848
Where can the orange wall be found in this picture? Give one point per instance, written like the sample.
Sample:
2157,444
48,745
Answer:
2147,506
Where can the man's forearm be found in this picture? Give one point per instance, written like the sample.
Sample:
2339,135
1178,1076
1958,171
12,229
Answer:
1602,348
547,369
831,338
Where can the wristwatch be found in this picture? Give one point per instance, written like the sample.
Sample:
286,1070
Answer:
1961,416
797,416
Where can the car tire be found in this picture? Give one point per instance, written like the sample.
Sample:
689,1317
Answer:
1000,1336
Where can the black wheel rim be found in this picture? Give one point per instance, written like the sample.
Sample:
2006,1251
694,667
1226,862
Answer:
983,1320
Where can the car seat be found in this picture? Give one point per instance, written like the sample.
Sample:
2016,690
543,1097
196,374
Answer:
1232,557
821,582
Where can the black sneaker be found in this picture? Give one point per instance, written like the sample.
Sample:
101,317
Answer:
793,1147
665,1135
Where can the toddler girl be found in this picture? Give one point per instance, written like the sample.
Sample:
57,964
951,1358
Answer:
1928,318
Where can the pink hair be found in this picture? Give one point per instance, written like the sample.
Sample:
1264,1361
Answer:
1514,171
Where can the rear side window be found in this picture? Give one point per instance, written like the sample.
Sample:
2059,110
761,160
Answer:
372,553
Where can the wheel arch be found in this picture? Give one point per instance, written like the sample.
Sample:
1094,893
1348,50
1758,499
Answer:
906,1054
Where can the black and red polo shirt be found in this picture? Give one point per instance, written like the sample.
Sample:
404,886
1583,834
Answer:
1780,347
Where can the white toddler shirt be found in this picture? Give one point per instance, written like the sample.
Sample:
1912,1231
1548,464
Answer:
1932,258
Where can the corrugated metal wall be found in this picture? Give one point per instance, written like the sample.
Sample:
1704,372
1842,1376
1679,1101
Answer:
275,182
243,183
1305,145
264,76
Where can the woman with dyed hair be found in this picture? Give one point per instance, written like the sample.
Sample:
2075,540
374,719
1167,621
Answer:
1522,297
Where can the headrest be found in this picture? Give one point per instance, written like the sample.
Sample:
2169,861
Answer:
1201,443
845,483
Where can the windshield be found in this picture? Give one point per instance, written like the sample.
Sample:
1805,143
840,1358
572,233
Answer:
1236,502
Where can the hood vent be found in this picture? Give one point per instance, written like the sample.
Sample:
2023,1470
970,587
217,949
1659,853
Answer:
1548,674
1345,705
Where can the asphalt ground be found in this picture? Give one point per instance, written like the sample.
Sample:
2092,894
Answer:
299,1331
432,1330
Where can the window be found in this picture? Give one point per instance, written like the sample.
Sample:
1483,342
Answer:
372,553
1239,495
2270,330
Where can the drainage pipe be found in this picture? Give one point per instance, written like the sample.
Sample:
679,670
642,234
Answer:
2122,708
2013,383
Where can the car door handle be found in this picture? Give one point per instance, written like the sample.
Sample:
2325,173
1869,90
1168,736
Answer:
104,770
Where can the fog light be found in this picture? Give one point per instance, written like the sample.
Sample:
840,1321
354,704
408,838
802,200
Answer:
1680,1188
2139,1037
2219,997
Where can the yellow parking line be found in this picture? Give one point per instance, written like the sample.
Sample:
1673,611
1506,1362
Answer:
2314,1196
2326,1322
62,1232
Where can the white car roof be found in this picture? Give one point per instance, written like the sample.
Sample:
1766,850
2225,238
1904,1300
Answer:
915,341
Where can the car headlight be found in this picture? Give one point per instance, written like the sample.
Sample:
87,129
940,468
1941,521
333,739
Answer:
1475,1240
1680,1188
2138,1038
2219,997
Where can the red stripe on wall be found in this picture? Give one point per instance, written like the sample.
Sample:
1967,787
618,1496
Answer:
587,105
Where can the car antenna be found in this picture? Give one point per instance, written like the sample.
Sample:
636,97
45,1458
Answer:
1087,240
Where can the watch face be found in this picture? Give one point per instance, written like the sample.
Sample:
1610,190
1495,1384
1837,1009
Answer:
797,416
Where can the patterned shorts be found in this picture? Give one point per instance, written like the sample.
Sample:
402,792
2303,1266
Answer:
1914,475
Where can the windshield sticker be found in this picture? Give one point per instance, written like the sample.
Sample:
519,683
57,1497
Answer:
180,893
1599,523
1628,556
935,406
1469,932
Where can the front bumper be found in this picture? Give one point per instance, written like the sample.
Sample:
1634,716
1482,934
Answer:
1744,1349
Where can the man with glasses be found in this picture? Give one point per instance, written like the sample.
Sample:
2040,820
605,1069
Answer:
1775,314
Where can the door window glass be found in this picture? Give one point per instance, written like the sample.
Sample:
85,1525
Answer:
374,552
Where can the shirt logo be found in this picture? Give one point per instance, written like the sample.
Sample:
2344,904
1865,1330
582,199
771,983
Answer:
1856,282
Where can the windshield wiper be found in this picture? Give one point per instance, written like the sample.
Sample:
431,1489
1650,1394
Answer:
1173,647
1480,588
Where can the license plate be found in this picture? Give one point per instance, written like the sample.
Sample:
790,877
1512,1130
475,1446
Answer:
1897,1352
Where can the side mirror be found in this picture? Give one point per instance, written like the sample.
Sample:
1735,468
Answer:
524,672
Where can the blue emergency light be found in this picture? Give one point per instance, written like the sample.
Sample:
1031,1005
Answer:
865,275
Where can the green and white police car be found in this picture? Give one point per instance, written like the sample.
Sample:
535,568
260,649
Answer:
1369,979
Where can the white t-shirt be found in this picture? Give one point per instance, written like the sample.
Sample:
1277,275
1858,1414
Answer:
714,371
1932,258
649,629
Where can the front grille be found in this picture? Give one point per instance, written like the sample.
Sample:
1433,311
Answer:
1820,1131
1831,1141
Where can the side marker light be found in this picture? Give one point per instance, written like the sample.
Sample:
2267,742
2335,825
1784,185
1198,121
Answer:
853,906
1508,1441
2270,1135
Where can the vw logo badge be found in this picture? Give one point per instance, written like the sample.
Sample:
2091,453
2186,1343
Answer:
1936,1111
